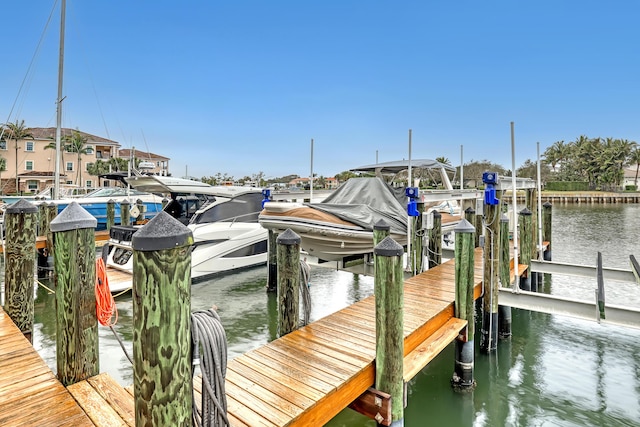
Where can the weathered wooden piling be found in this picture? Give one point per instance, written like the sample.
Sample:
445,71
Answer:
417,249
52,213
464,305
20,221
389,301
77,352
546,229
162,371
42,217
141,211
380,230
489,339
504,312
288,259
272,262
125,218
111,213
470,215
525,235
435,241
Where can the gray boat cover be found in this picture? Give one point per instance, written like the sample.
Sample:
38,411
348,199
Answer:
365,201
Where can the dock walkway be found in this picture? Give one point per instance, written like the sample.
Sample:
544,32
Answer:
304,378
308,376
30,393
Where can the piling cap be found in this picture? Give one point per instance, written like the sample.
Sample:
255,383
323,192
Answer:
111,201
547,204
436,214
388,247
470,210
289,237
464,226
525,211
73,217
22,206
162,232
504,218
125,202
381,225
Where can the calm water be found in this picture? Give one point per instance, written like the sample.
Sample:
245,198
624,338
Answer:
554,371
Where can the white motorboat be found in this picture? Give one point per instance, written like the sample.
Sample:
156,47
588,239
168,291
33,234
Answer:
342,225
223,220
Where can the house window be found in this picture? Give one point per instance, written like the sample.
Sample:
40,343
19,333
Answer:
3,145
69,182
88,166
28,165
29,146
89,184
32,185
99,155
89,149
69,166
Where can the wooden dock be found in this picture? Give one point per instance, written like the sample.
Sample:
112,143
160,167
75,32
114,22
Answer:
29,391
304,378
308,376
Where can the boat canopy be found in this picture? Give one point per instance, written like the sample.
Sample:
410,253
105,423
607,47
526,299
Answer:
401,165
365,201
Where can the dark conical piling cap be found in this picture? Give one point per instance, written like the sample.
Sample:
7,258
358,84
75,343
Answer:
464,226
73,217
525,211
289,237
162,232
381,225
388,247
22,206
547,204
470,210
125,202
111,201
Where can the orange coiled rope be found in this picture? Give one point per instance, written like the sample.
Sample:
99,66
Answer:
105,304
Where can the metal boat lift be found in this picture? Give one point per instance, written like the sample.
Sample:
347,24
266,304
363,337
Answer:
595,310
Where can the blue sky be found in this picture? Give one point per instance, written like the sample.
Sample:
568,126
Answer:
241,87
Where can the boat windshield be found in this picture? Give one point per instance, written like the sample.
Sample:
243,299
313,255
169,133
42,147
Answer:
113,192
243,208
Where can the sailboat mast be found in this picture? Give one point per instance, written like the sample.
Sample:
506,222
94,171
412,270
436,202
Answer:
56,177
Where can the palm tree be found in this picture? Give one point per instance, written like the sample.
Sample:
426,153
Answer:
443,160
16,131
77,143
634,158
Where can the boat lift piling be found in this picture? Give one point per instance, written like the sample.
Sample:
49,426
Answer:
161,294
546,229
463,379
272,262
111,213
470,216
125,218
20,220
288,259
504,312
389,308
435,241
491,226
525,219
77,351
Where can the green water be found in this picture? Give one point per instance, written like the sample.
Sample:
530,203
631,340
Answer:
554,371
